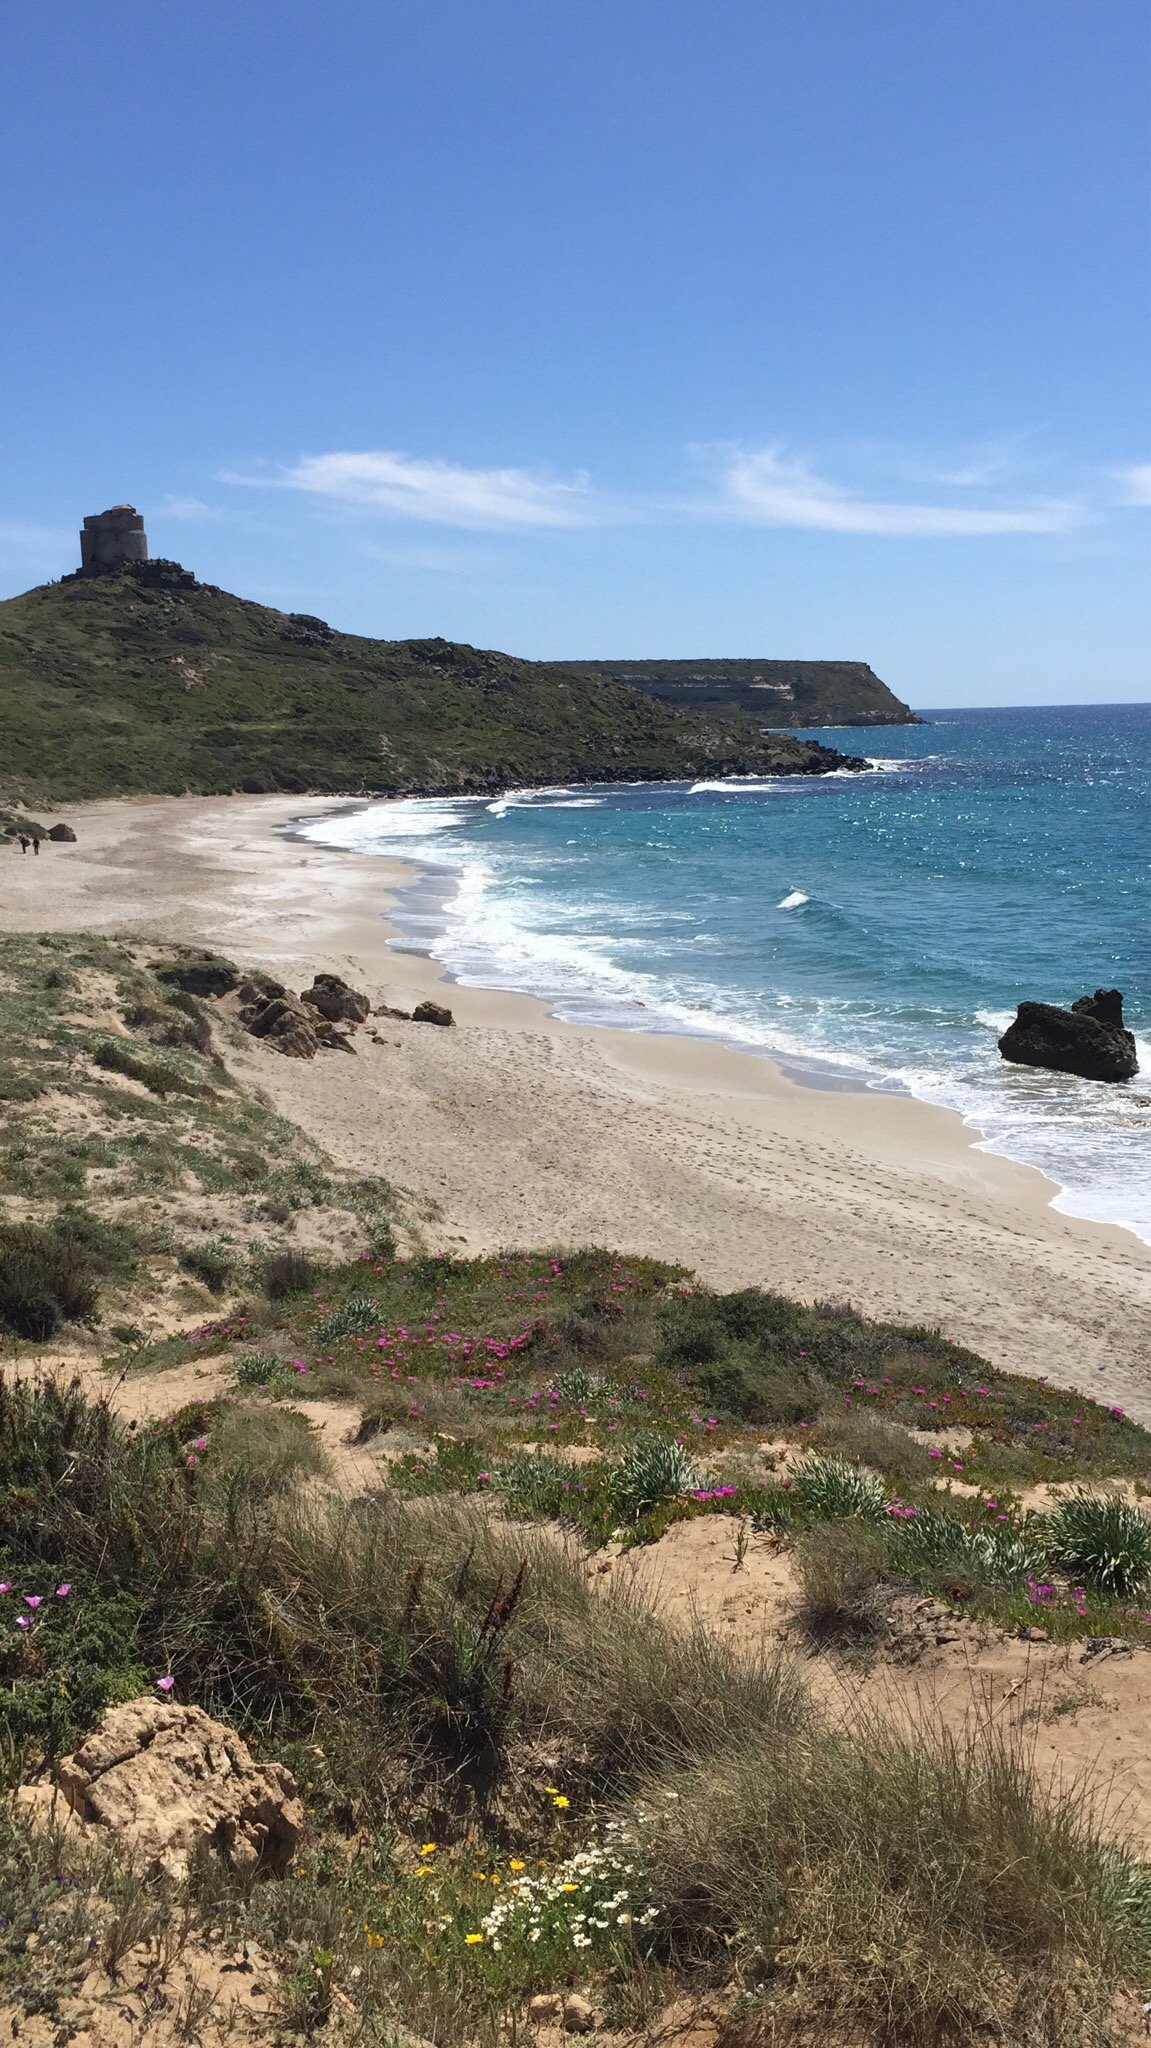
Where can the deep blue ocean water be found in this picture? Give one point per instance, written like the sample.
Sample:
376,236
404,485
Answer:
873,930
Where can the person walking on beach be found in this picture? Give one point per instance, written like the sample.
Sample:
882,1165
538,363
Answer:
23,837
35,845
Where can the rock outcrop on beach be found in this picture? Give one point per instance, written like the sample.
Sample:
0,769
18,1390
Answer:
1088,1039
162,1780
336,1000
431,1013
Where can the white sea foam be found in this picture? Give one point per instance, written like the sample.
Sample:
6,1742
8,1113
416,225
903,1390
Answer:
503,924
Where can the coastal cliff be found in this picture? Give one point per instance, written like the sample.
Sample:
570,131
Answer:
770,693
145,681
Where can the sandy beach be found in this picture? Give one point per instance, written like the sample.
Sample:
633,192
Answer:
517,1128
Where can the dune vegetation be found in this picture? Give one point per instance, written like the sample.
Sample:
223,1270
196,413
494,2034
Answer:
522,1781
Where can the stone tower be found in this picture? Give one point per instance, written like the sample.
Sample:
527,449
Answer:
109,539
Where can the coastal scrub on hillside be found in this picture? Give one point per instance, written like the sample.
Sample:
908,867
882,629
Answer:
147,681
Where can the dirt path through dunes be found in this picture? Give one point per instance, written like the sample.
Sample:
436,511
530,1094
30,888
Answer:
513,1128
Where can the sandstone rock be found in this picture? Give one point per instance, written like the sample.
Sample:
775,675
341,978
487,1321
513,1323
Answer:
547,2005
1088,1039
164,1779
257,988
285,1024
386,1010
63,832
431,1013
199,974
577,2017
336,1001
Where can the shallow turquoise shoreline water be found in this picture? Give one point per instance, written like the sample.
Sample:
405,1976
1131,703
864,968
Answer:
876,930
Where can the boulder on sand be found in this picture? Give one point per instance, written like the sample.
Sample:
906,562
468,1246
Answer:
164,1780
432,1013
336,1000
63,832
1088,1039
285,1023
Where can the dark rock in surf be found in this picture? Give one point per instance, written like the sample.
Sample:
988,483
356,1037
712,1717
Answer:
1088,1039
1106,1006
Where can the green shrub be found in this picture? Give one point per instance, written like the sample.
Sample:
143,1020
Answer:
829,1487
1103,1542
939,1547
289,1272
889,1888
354,1318
652,1471
839,1567
263,1369
44,1281
117,1058
212,1262
870,1440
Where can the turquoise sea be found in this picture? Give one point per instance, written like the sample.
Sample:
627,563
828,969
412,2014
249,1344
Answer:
866,930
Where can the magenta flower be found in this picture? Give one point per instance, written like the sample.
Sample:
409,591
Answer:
33,1600
63,1591
23,1621
6,1587
166,1683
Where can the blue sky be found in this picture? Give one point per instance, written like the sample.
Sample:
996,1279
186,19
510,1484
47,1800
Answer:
766,327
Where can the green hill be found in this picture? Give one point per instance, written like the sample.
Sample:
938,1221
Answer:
146,681
770,693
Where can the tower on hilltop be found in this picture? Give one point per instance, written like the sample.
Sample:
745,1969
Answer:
109,539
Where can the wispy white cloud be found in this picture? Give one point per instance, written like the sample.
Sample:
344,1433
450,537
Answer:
763,487
445,493
176,507
743,486
1135,483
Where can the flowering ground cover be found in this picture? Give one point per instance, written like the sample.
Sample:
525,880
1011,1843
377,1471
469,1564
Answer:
613,1396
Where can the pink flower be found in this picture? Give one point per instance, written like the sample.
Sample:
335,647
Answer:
166,1683
23,1621
6,1587
33,1600
483,1477
63,1591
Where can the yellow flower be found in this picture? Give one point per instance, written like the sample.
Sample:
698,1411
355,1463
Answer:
472,1939
425,1870
515,1864
569,1887
429,1849
374,1940
552,1790
560,1801
481,1876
